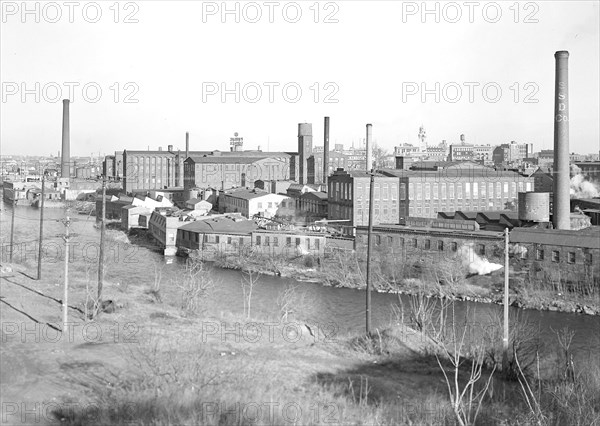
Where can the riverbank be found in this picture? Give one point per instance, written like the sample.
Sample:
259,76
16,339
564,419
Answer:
474,288
156,359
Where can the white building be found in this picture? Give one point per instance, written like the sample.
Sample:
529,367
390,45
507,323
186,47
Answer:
251,202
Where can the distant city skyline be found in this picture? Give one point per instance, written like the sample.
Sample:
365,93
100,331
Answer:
174,73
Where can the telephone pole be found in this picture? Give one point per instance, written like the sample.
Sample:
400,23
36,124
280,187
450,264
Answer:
101,252
12,227
369,247
41,206
506,288
67,223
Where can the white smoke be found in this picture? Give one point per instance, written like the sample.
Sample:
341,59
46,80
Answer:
580,187
475,263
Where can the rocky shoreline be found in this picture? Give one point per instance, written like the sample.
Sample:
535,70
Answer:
516,300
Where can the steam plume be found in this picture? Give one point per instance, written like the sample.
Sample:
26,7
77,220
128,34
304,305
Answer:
580,187
474,263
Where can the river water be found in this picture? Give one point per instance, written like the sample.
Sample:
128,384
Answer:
335,308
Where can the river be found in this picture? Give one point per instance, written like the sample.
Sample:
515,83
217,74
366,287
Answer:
342,309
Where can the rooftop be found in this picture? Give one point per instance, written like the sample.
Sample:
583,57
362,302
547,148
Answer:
585,238
221,225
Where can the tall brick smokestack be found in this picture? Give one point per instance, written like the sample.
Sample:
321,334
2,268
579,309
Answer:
369,148
561,203
187,144
304,149
326,152
65,169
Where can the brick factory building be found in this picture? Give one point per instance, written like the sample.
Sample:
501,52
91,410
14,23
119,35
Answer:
423,193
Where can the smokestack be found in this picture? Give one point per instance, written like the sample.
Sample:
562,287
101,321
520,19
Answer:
561,204
304,149
326,152
369,148
187,144
65,169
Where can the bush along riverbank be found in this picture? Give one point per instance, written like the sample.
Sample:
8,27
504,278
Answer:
447,279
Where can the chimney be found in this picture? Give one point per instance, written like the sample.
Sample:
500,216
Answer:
160,148
170,148
187,144
326,152
561,205
369,148
65,169
304,149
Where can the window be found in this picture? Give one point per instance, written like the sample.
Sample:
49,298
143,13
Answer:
241,241
411,191
390,240
451,191
498,190
505,190
415,243
297,241
386,191
440,245
435,191
555,256
588,258
275,241
443,186
270,205
428,191
539,254
419,193
378,239
217,239
571,258
317,245
259,206
308,243
257,241
197,237
490,190
288,241
475,190
454,246
267,241
467,190
459,191
482,190
481,249
427,244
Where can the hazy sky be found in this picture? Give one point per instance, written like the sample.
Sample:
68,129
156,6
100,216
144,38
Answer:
374,61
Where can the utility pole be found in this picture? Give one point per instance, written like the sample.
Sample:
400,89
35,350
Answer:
505,339
12,227
41,206
101,253
369,246
67,223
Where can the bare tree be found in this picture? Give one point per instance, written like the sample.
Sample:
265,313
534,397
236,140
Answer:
250,277
195,284
465,398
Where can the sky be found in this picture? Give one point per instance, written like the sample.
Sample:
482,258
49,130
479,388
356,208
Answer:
141,74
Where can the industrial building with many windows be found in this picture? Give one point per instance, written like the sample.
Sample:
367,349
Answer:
422,193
